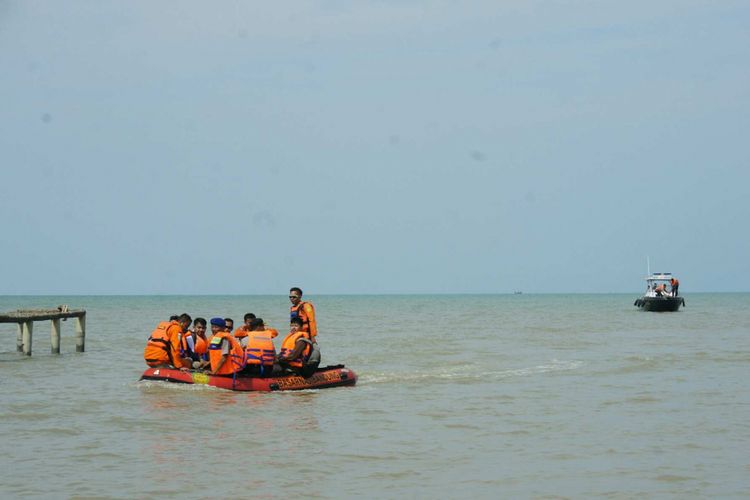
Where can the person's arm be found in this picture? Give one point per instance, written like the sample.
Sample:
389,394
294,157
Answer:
175,355
221,363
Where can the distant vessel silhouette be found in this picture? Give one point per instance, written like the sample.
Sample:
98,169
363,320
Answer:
658,299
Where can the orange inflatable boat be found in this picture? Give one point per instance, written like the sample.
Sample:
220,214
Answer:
329,376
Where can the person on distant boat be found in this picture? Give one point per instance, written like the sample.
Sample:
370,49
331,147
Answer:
304,311
163,345
194,344
260,352
242,330
226,355
660,289
675,286
298,353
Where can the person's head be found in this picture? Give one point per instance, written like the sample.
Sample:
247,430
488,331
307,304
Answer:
247,318
230,324
295,295
295,324
257,324
199,326
185,321
174,317
218,325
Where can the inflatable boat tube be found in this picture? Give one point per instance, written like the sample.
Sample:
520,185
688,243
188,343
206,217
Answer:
329,376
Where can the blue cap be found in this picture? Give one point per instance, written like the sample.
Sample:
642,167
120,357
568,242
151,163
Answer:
219,322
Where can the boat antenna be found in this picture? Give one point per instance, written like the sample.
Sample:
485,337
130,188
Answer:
648,266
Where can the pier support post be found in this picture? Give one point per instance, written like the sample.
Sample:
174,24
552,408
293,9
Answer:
28,330
80,333
55,336
19,338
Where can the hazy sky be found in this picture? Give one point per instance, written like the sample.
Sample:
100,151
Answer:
373,147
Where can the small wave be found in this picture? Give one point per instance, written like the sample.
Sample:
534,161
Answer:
672,478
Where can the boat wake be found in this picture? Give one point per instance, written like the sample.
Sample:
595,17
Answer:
467,373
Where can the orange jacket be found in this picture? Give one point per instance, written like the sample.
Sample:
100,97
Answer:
162,346
241,332
675,281
287,347
260,349
306,311
236,360
199,345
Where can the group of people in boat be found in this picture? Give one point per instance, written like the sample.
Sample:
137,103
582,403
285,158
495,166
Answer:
661,289
248,350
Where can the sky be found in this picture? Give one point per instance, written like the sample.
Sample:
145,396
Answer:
184,147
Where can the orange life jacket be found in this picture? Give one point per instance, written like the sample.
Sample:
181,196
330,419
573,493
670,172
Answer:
159,346
241,332
199,345
260,349
287,347
307,315
675,281
236,360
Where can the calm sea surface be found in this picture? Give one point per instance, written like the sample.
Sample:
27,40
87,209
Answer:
463,396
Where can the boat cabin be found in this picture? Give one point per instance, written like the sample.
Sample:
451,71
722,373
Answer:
654,284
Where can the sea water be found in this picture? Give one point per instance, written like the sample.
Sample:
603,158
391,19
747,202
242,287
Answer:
484,396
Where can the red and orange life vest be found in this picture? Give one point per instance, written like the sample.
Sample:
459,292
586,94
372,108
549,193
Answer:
241,332
260,349
306,312
236,360
161,346
287,347
199,344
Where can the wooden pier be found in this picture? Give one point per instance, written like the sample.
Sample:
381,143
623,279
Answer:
25,319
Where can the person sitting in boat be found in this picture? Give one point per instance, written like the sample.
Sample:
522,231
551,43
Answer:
675,286
194,344
163,345
242,330
298,352
260,352
660,290
230,324
303,310
225,354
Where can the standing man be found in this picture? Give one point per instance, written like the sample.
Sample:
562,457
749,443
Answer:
675,285
303,310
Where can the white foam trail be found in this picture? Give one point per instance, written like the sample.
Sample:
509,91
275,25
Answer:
468,373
